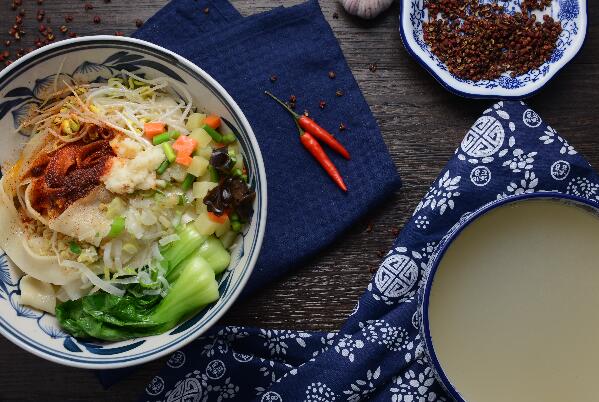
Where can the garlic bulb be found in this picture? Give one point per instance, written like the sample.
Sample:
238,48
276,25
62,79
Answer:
367,9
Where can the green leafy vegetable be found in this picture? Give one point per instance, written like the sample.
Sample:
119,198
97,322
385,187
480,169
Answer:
177,251
191,264
113,318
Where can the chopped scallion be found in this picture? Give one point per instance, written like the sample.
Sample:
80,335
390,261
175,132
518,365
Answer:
117,227
162,168
216,136
75,248
189,179
229,138
169,152
160,138
213,174
236,226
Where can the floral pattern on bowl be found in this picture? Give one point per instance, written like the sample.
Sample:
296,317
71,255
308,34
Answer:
571,13
95,59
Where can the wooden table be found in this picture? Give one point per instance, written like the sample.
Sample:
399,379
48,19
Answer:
422,125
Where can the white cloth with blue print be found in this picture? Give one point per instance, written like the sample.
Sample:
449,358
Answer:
378,354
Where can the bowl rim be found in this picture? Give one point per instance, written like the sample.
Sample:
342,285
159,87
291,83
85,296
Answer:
438,257
261,175
467,91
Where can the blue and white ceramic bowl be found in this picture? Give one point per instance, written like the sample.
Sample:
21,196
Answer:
571,13
95,58
435,260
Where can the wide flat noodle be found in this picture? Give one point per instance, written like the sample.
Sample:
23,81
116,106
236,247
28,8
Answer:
38,294
13,241
83,219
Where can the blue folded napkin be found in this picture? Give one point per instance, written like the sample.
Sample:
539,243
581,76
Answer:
306,211
378,354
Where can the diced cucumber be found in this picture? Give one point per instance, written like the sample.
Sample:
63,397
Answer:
195,120
201,188
201,136
198,166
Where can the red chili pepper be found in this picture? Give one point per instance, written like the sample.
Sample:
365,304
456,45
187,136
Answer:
313,128
310,143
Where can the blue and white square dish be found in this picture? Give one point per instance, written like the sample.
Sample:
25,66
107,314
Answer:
571,13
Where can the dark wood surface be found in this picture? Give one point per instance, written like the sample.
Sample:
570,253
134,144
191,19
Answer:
422,125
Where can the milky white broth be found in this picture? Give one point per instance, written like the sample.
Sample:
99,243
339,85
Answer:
514,305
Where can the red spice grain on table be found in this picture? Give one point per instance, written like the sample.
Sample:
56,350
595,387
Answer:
482,41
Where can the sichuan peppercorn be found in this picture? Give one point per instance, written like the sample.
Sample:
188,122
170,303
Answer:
482,41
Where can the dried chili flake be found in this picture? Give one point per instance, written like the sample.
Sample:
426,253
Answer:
322,104
42,28
72,34
88,6
63,29
22,12
138,23
335,15
332,74
292,98
342,127
206,10
50,36
372,67
68,18
339,93
40,15
18,19
394,231
381,253
273,78
119,33
7,43
97,19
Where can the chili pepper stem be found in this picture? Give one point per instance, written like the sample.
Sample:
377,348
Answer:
280,102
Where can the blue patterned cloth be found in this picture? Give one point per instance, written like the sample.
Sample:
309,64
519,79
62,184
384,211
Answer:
378,354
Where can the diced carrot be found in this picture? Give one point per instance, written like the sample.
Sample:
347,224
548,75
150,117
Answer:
212,121
153,129
217,218
184,160
185,145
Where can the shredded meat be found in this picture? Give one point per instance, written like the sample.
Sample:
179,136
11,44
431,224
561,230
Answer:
63,176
